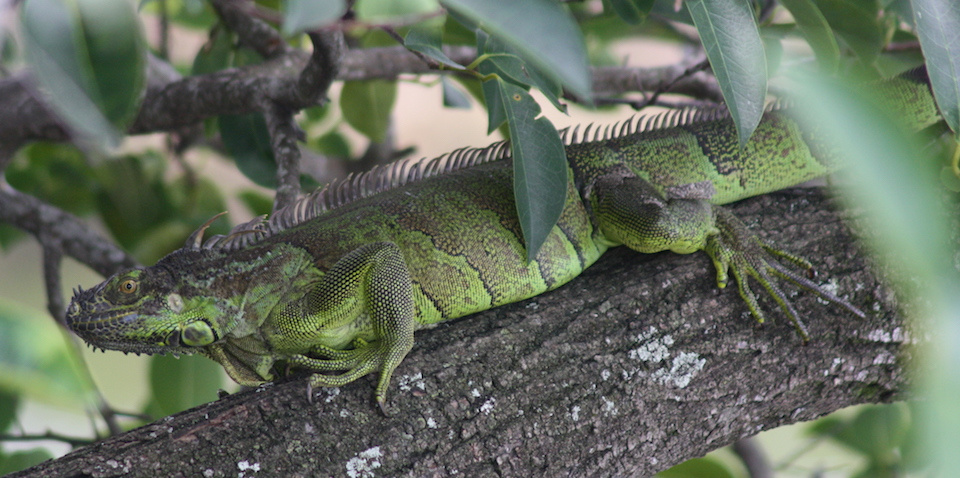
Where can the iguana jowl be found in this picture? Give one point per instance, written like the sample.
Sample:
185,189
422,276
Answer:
338,283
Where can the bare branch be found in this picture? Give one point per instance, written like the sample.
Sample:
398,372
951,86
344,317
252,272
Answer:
753,457
54,227
324,66
283,139
72,441
24,118
314,81
172,103
253,32
52,257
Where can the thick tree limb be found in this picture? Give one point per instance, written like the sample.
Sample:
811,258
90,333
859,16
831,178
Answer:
638,364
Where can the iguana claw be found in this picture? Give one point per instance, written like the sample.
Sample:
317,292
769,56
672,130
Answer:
737,250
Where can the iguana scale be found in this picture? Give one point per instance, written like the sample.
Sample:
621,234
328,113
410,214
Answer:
337,283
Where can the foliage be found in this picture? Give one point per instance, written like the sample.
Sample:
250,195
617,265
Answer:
90,67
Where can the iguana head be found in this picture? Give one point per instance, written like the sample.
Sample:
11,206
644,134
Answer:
145,310
192,298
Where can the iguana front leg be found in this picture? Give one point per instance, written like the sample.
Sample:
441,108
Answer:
364,302
631,212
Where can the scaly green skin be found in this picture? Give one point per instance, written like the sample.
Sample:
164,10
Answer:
340,294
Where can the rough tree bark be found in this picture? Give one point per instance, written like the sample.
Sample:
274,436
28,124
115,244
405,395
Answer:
635,366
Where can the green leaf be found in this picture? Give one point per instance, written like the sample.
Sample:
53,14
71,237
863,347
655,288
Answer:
117,54
132,197
427,38
179,384
247,140
857,23
814,27
504,61
492,93
88,57
256,202
57,173
50,40
333,144
37,361
386,10
20,460
633,12
216,54
8,409
730,36
938,24
894,181
453,97
542,32
302,15
697,468
367,105
877,432
539,166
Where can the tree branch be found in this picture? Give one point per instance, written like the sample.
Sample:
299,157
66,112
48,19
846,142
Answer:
638,364
253,32
172,102
55,228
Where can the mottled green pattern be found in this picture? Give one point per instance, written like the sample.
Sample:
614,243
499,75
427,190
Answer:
341,293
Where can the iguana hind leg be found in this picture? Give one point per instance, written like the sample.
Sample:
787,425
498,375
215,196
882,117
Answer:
630,211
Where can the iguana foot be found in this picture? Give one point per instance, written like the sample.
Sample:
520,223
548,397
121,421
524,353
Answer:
737,250
354,363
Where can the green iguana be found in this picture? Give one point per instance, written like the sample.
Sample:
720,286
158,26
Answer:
337,283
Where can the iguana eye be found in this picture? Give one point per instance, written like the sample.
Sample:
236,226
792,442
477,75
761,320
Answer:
129,286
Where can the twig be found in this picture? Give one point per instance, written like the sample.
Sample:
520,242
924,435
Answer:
753,458
666,87
283,139
253,32
322,69
57,228
311,88
72,441
52,258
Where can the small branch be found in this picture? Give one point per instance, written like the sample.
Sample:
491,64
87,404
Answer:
390,62
322,69
24,118
109,414
52,258
253,32
667,86
311,88
283,139
56,228
72,441
753,458
294,80
611,81
163,25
